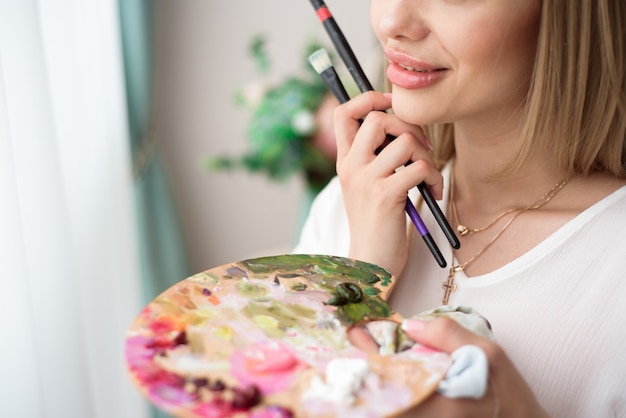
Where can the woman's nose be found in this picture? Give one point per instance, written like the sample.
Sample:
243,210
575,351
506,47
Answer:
403,19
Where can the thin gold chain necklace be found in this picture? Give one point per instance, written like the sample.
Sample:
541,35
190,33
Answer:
463,229
448,285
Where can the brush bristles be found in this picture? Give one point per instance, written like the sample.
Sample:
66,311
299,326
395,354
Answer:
320,60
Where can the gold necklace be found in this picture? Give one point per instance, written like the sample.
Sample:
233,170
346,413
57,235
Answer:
465,230
449,286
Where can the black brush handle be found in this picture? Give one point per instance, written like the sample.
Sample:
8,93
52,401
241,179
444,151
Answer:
352,64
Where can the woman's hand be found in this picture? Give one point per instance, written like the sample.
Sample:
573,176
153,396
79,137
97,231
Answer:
508,394
375,186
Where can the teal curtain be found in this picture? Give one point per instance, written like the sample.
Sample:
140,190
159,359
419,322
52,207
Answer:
163,258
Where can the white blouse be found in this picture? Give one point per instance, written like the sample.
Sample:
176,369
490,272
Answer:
559,310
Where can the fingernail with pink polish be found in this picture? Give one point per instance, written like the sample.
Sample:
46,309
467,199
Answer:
413,326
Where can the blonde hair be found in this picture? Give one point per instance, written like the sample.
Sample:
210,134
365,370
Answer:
576,104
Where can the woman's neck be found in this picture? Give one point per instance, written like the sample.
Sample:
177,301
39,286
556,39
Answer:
481,154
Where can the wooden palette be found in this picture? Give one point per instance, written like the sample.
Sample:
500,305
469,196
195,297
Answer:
266,338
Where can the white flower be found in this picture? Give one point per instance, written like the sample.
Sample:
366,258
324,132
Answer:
303,123
253,93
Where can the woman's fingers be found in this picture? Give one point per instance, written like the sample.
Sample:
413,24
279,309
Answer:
375,184
407,160
366,113
442,333
366,136
349,116
359,337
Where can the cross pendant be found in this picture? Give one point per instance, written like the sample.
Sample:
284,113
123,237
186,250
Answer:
448,286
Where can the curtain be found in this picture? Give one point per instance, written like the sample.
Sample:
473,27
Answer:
68,244
163,258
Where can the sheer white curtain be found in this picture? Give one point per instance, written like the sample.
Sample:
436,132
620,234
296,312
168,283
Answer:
69,275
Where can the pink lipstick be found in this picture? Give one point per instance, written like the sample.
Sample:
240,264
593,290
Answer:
408,73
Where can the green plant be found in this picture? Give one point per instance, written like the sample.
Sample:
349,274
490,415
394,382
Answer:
282,125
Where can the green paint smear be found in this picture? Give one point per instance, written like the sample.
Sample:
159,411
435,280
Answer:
287,314
339,267
369,308
346,292
168,307
207,276
251,290
299,287
323,272
371,291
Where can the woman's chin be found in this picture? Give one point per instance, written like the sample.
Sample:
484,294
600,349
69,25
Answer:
414,115
415,111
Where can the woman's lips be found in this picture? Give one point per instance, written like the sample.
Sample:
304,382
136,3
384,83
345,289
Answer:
406,72
411,78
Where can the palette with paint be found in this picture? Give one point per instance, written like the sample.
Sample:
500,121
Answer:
267,338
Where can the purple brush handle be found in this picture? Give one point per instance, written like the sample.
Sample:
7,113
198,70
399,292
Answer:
421,228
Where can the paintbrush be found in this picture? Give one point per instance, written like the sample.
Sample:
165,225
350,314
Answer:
352,64
321,62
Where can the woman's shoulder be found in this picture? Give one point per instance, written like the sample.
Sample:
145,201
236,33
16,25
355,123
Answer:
329,201
597,189
600,227
607,202
325,230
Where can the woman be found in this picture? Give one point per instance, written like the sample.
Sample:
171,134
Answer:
514,114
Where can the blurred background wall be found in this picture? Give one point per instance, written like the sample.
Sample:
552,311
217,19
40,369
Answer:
201,59
84,85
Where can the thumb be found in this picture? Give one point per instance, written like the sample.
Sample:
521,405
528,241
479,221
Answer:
441,333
